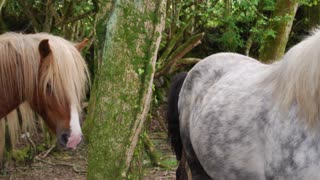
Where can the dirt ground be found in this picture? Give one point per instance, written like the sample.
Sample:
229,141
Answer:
72,165
158,135
166,158
58,165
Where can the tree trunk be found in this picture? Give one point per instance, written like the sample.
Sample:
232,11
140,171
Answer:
128,35
274,48
2,2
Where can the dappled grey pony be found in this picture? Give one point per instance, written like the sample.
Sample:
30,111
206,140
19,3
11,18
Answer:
239,119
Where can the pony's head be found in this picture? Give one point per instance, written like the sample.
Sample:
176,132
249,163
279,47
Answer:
62,77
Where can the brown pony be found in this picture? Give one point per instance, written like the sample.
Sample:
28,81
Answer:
49,73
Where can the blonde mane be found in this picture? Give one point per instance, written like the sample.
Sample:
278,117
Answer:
65,69
296,79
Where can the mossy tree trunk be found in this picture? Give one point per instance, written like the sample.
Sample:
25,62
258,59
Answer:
274,47
128,37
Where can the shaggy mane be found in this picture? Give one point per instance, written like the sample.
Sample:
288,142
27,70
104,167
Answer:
64,69
296,79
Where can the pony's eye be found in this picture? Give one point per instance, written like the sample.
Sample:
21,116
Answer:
48,86
49,89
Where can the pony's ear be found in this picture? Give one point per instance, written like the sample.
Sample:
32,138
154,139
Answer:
44,48
81,44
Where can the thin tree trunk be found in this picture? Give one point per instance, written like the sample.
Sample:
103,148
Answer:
274,48
129,35
2,2
46,27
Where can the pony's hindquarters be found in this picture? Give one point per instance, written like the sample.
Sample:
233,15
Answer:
207,100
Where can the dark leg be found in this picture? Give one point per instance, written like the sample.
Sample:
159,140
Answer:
182,171
197,171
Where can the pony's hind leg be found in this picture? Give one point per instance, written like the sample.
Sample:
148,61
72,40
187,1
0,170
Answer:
197,171
183,168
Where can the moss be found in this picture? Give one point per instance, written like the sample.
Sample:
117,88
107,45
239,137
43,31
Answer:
136,169
128,40
20,155
41,147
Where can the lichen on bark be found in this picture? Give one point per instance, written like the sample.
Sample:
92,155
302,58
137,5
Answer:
121,86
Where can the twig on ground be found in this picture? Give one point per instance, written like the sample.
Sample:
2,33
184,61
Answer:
162,122
62,164
43,161
46,153
75,169
34,147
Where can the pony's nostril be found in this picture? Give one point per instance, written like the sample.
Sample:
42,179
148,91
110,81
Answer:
64,139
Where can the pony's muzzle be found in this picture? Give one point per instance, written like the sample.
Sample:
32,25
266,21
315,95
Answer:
74,140
70,141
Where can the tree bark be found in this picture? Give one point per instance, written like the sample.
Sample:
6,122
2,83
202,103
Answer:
128,35
274,48
2,2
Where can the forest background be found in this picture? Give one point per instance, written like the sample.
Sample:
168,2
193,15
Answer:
134,49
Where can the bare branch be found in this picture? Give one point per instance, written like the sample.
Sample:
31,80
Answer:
81,16
67,12
179,53
49,16
31,14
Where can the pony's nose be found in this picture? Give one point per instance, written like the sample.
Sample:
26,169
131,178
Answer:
63,139
74,140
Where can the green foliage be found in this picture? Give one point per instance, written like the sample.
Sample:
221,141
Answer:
309,2
229,23
67,18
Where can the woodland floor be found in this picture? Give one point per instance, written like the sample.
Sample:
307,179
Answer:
58,165
72,165
158,135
